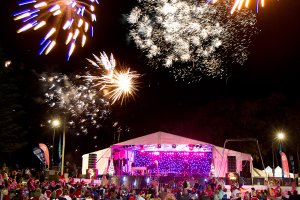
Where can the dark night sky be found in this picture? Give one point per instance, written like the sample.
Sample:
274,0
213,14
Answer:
162,103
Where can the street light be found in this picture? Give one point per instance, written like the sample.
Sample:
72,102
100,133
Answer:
63,148
280,136
55,124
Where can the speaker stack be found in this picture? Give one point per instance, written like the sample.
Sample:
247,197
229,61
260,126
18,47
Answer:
92,160
245,173
231,165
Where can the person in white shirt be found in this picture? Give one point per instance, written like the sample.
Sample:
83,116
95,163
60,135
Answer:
66,194
235,194
219,193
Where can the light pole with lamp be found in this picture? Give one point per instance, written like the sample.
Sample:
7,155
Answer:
63,148
279,137
55,124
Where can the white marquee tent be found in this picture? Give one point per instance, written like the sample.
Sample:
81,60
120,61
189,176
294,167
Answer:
219,160
268,172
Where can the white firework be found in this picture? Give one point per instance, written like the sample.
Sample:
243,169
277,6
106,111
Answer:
82,104
191,39
117,84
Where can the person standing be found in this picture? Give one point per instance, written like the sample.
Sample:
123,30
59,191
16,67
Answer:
235,193
219,194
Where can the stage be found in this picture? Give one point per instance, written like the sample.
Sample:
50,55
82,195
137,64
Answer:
165,155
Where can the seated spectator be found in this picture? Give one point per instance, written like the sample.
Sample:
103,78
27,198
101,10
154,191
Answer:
294,196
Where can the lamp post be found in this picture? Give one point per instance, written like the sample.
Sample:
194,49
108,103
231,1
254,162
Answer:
63,148
273,167
279,137
55,124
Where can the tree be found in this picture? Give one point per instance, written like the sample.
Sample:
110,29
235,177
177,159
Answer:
12,113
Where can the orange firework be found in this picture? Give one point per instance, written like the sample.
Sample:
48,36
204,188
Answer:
238,4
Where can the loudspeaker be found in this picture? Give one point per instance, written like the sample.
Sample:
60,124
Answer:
92,160
246,166
231,165
245,174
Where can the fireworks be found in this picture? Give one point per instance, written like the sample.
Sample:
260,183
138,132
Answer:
81,103
238,4
116,84
73,16
191,39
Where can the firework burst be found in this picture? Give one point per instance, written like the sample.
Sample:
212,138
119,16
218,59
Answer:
117,84
74,17
81,103
191,39
238,4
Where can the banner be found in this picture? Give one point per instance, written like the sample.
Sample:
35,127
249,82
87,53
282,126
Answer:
46,152
285,164
40,154
110,168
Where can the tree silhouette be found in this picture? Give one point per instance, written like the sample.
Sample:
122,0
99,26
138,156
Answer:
12,113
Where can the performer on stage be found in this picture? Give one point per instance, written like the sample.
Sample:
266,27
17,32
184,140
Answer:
156,164
185,168
153,167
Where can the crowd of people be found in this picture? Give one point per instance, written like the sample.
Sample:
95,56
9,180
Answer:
25,184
